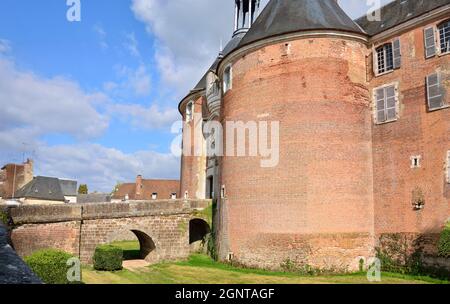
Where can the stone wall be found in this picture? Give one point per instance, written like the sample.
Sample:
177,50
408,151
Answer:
162,227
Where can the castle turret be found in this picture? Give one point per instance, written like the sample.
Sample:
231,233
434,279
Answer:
245,14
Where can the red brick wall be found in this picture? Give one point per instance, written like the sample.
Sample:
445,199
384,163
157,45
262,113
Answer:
29,238
316,88
193,167
416,132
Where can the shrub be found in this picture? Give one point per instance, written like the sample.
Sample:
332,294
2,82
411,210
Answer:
444,243
3,217
50,265
108,258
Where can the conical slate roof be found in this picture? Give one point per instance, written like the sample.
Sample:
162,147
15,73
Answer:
289,16
231,45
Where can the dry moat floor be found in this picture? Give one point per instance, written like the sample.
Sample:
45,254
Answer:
200,269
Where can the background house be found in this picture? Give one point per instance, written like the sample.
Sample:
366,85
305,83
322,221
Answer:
41,191
14,177
69,190
147,189
94,198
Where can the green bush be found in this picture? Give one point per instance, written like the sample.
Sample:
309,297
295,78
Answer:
3,217
50,265
108,258
444,243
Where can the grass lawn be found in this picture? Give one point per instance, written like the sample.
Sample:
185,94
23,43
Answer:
131,249
200,269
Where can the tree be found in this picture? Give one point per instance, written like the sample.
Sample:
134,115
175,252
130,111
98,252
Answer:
116,188
83,189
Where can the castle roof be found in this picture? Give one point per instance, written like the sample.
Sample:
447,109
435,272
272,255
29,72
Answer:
231,45
289,16
398,12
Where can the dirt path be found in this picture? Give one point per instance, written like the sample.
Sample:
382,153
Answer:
134,265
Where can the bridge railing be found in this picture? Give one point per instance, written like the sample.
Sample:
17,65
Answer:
76,212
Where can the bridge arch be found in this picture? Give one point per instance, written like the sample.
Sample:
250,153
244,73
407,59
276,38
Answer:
198,230
148,244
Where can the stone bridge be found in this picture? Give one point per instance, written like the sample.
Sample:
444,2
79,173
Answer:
166,230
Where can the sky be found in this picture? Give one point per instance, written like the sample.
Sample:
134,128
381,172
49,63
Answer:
96,100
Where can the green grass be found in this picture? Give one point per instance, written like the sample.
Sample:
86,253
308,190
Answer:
131,249
200,269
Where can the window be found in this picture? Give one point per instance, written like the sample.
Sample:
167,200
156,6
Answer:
173,196
227,79
154,196
385,58
444,36
435,94
386,104
189,111
415,161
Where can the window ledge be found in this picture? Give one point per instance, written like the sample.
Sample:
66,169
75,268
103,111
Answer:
386,122
438,109
385,73
443,54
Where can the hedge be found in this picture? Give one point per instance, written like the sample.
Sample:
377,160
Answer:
444,243
50,265
108,258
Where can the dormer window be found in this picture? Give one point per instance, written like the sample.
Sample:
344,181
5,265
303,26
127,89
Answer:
227,79
444,36
189,111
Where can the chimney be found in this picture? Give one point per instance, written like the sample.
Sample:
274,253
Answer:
139,186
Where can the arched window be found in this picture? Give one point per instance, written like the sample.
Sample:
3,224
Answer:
444,36
189,111
227,79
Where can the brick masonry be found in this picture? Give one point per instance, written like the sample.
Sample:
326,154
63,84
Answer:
343,181
162,227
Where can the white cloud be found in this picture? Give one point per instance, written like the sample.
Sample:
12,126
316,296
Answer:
132,45
137,80
98,29
188,34
102,167
57,105
5,46
141,117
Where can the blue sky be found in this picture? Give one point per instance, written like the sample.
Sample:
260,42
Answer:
95,100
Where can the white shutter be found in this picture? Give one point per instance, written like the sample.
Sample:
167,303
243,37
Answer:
391,103
386,104
430,42
434,92
380,105
397,54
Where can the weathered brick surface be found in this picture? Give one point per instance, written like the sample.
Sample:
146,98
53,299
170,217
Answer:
316,88
159,225
193,166
416,132
29,238
170,235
